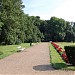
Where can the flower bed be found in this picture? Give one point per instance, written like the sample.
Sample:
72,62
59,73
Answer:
61,52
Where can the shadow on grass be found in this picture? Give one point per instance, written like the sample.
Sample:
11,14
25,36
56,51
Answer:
59,65
55,66
43,67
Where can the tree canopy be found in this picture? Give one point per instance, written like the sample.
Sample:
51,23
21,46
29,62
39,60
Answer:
17,27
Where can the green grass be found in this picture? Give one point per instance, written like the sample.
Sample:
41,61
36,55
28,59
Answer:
10,49
62,44
56,61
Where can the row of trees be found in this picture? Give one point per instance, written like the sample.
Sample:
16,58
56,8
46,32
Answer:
17,27
57,29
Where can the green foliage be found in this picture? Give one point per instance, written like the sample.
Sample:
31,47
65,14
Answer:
57,29
17,27
70,51
11,10
1,24
18,41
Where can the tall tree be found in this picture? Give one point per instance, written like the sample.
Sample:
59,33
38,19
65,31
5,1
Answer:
11,11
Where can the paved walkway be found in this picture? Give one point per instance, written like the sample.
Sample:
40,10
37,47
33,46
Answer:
33,61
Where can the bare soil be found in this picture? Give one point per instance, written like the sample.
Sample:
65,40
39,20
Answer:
32,61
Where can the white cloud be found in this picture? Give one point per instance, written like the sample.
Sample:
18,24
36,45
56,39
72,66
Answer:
66,10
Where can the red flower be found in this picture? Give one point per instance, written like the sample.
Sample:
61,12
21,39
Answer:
59,49
63,53
64,56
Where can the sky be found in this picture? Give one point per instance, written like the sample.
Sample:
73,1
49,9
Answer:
64,9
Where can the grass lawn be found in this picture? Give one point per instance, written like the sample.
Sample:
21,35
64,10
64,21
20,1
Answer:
62,44
10,49
56,60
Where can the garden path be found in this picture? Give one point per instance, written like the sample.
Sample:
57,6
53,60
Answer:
32,61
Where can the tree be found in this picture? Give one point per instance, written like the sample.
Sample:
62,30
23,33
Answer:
73,27
17,27
68,32
11,11
33,33
55,29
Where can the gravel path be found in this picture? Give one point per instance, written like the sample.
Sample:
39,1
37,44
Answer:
32,61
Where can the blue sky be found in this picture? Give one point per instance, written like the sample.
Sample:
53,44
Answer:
48,8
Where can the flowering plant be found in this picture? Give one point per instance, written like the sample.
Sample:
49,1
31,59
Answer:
61,52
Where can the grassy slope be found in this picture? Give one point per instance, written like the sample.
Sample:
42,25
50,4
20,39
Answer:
57,61
10,49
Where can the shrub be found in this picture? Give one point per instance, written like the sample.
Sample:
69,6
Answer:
70,52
